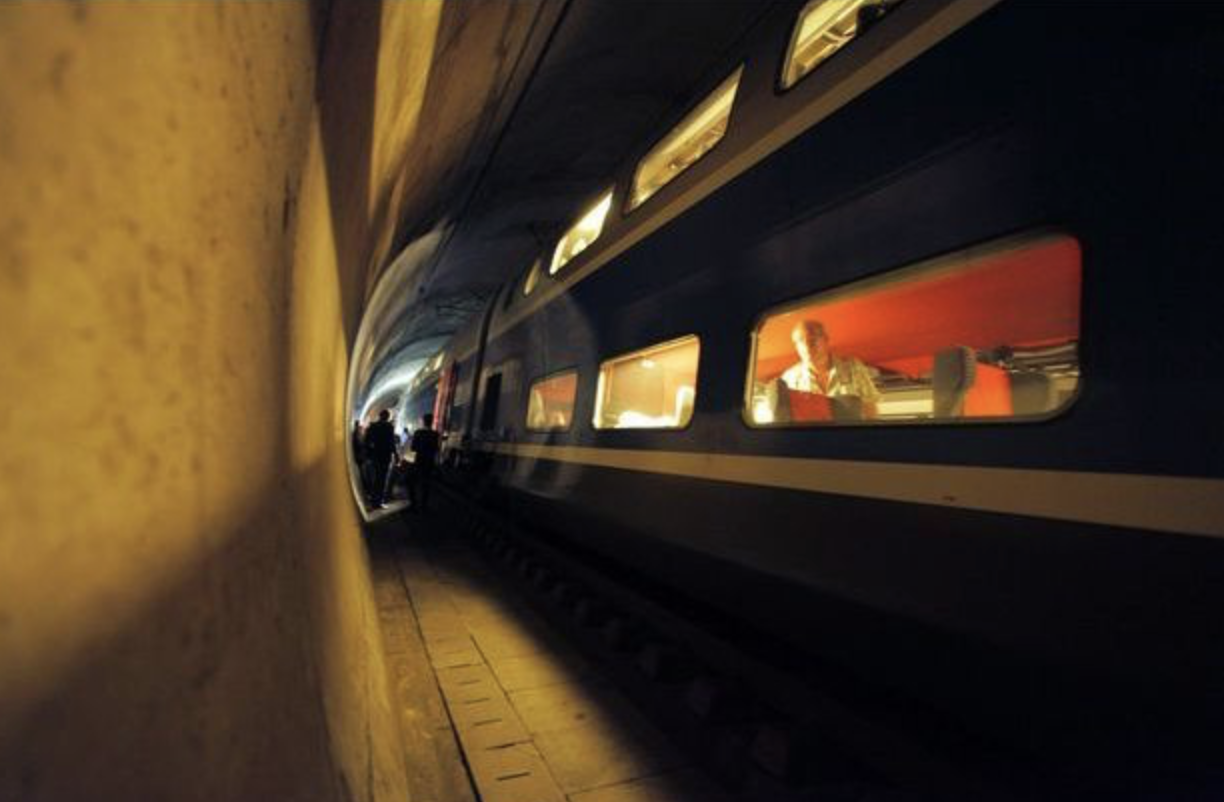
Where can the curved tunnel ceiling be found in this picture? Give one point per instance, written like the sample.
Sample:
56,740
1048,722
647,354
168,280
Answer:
565,94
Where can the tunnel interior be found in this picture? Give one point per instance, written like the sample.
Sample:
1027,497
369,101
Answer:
233,234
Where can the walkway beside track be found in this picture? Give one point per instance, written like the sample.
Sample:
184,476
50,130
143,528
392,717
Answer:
490,697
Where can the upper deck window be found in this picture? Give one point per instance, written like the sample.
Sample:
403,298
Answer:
653,388
988,333
550,404
694,137
533,278
823,28
582,234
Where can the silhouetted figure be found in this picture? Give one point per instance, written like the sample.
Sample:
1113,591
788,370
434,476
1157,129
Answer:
425,443
358,443
380,446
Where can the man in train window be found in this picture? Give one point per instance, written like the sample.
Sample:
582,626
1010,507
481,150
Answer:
843,385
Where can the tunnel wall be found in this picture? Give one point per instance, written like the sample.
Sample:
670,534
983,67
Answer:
185,602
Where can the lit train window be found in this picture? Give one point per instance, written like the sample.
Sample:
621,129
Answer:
694,137
990,333
823,28
653,388
550,404
533,278
582,234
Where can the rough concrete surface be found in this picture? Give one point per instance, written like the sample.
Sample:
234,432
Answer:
185,598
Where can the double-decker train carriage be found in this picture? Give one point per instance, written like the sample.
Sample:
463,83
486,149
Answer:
902,342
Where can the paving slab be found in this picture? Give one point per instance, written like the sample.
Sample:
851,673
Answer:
435,766
686,785
481,713
566,705
533,720
539,670
498,644
441,625
594,755
453,651
514,774
459,679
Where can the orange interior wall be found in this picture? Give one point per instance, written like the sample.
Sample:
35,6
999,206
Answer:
1026,295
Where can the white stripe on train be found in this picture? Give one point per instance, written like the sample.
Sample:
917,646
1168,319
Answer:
1185,505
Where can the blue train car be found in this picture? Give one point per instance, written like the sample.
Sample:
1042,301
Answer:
907,352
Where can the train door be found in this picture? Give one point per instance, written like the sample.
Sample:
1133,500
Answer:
444,402
492,397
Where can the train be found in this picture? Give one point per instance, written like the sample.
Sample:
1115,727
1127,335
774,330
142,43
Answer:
901,341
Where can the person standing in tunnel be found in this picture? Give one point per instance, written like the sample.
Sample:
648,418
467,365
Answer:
357,440
380,449
425,444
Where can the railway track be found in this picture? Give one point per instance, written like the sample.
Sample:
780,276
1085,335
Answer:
765,721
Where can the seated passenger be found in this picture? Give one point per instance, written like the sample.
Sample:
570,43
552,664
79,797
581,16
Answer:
819,372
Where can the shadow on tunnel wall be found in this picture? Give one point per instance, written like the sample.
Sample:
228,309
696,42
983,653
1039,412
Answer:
348,36
411,98
183,667
185,607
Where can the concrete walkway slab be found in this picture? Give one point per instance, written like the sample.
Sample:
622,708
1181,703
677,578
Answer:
583,758
536,722
671,787
538,671
569,704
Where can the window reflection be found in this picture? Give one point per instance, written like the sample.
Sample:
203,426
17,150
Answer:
654,388
582,234
988,333
694,137
823,28
550,405
533,278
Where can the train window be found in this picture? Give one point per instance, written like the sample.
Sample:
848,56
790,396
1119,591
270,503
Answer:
532,279
823,28
653,388
990,333
582,234
694,137
550,403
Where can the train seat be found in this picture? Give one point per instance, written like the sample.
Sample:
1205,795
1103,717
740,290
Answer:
954,373
963,387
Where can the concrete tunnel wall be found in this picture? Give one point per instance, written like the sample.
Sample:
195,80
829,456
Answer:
187,228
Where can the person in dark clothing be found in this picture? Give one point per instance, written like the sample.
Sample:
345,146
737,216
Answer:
380,448
425,443
358,442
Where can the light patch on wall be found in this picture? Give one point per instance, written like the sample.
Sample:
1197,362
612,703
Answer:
387,391
314,393
409,38
142,434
